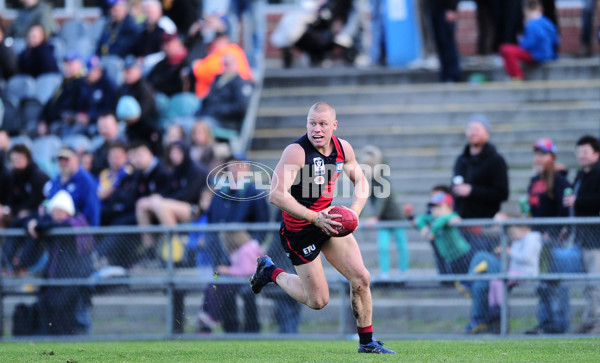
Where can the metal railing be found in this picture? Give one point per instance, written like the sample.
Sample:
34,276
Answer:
129,305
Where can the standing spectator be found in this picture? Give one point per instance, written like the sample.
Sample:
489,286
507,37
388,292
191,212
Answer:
98,95
385,208
537,45
58,114
206,69
154,27
120,33
443,17
509,21
480,182
8,58
180,202
585,202
108,129
34,12
170,75
115,186
549,9
137,129
486,26
69,257
138,87
546,190
587,27
38,57
253,36
78,182
228,97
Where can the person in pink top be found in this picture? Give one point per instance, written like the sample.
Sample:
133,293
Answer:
220,299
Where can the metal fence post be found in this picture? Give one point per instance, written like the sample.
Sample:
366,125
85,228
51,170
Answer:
503,268
170,319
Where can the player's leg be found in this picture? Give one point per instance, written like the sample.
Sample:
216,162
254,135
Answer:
343,254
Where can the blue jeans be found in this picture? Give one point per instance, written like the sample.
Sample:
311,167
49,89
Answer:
384,236
377,31
554,309
480,308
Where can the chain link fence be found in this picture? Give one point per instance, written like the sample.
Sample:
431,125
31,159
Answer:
126,282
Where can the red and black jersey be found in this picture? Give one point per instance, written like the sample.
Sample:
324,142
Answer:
315,181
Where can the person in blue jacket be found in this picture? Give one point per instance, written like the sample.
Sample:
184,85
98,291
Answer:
120,33
78,182
537,45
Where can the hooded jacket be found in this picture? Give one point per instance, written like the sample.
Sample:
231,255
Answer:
487,174
540,39
187,180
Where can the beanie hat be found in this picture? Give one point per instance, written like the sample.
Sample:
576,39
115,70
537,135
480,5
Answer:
128,108
482,119
63,201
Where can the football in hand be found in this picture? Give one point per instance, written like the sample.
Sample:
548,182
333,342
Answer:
348,220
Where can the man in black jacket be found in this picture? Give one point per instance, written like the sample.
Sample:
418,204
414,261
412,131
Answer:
480,182
137,87
585,202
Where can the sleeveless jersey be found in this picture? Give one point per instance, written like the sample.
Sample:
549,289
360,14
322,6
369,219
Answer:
315,181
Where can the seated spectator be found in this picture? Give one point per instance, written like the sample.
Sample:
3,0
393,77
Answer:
58,114
38,57
108,129
154,27
138,87
171,75
116,186
8,58
78,182
98,95
438,227
33,12
523,260
174,133
228,98
69,257
206,69
120,33
220,300
538,44
202,33
137,129
179,203
5,183
205,149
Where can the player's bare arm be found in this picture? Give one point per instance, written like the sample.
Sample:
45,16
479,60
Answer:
285,173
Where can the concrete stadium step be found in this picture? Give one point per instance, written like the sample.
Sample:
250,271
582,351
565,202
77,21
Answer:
444,114
439,137
501,92
564,68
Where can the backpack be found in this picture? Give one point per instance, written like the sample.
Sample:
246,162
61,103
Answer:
25,319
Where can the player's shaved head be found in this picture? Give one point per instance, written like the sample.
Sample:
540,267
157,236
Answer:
322,107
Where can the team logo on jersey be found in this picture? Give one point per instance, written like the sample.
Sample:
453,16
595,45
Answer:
320,180
339,166
319,167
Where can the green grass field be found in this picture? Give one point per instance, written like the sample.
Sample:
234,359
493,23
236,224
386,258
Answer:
502,350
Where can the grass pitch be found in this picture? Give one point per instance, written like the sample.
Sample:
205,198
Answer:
504,350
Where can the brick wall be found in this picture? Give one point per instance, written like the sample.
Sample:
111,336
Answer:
569,20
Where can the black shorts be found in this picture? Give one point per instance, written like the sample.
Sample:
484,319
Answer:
303,246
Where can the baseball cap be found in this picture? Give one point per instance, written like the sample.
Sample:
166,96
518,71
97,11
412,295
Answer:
545,145
130,61
71,56
441,198
93,62
167,37
66,152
